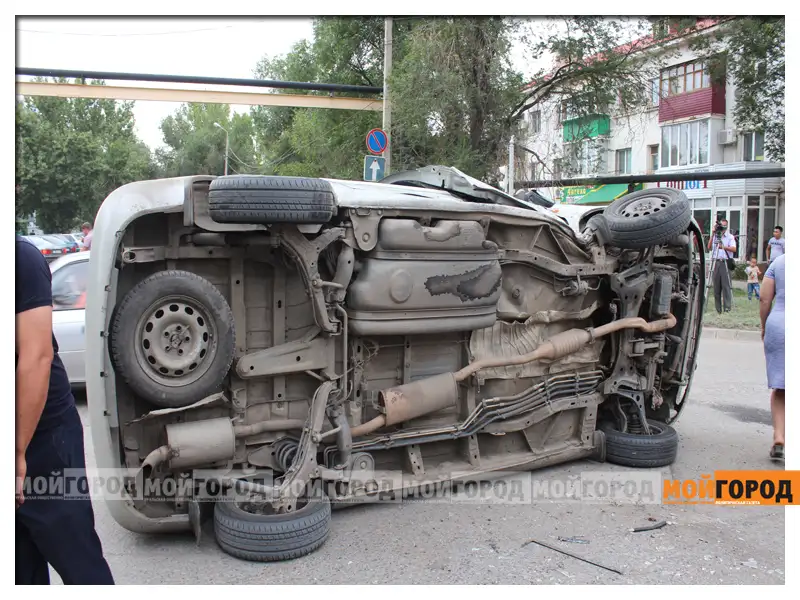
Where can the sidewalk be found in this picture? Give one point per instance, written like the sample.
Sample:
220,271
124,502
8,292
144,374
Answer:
731,334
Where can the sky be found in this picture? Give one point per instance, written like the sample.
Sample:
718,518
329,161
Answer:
212,47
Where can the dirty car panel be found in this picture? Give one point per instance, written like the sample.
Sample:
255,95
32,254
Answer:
415,336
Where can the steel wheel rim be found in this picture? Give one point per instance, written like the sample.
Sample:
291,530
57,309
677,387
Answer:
175,341
643,207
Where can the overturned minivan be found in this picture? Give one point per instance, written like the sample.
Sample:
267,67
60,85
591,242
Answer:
278,344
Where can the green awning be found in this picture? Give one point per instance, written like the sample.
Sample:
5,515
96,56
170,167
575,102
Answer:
605,194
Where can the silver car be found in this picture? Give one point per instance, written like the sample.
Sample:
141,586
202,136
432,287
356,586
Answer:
70,275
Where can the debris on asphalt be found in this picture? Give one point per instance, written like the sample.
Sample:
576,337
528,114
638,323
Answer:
578,539
658,525
571,555
751,563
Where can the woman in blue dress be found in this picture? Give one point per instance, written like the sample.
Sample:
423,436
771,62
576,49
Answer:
773,332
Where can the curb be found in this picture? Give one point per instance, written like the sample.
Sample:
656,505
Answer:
731,334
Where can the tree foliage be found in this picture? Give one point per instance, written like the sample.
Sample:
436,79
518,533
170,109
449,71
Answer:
750,53
194,138
70,154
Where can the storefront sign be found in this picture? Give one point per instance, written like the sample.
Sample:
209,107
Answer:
573,193
684,185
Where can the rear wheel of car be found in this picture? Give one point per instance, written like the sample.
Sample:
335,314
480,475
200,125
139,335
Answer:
647,218
246,531
658,449
172,338
269,199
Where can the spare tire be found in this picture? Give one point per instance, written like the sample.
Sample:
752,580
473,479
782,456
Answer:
257,536
172,338
658,449
647,218
270,199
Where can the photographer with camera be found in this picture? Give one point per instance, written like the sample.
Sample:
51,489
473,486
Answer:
722,245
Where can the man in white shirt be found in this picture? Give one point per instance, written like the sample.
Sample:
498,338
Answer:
722,248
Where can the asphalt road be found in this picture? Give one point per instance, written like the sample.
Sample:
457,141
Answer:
726,425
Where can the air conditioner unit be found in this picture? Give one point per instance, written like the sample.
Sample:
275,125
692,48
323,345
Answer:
725,137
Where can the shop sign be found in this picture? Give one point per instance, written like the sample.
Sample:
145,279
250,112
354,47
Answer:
684,185
574,193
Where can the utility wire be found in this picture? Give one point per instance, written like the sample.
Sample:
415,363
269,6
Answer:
140,34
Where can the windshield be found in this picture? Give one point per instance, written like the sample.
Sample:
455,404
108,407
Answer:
37,241
459,184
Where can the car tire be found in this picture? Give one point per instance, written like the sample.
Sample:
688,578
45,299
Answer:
644,451
249,199
172,339
647,218
272,537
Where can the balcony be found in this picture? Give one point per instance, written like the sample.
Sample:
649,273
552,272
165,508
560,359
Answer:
710,100
587,127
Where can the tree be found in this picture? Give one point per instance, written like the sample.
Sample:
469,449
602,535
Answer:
453,89
195,145
750,53
322,142
71,153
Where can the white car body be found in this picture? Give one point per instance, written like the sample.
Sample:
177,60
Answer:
572,213
68,321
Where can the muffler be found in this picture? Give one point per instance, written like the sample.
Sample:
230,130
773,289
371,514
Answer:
412,400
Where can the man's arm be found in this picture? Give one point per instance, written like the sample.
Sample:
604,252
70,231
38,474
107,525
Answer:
769,249
34,331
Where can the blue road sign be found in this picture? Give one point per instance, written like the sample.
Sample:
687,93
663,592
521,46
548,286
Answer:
377,140
374,168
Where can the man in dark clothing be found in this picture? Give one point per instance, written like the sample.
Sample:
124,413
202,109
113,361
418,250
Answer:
49,440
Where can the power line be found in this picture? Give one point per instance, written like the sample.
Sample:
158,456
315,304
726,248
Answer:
151,33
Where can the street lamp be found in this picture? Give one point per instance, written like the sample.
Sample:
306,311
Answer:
226,145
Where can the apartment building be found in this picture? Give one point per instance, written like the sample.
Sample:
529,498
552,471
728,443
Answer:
686,127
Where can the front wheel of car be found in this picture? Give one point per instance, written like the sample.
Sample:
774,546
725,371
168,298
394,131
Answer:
658,449
647,218
253,532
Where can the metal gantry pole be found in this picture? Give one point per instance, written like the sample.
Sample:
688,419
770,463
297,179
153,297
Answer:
387,107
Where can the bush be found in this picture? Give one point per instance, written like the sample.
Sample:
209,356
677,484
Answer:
739,273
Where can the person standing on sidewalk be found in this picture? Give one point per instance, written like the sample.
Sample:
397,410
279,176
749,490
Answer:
753,273
86,228
777,245
722,246
773,332
52,526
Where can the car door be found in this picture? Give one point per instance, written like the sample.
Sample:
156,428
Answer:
69,317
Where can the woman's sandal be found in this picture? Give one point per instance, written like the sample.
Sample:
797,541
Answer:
777,452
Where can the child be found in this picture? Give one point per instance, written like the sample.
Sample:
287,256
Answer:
753,273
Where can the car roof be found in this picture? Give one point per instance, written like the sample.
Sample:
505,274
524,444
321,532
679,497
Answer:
68,259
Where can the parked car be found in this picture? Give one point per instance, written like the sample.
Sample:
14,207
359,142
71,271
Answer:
70,276
355,340
50,249
70,240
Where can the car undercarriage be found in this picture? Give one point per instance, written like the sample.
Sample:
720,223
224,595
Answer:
375,338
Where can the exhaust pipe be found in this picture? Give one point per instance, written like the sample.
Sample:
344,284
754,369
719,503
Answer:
435,393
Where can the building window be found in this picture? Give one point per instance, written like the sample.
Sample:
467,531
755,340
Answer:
655,92
557,169
685,78
754,146
652,159
586,157
623,162
536,121
684,144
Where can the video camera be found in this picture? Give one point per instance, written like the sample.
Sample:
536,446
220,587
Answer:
719,229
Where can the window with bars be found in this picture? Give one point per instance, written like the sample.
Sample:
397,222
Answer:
685,78
684,144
